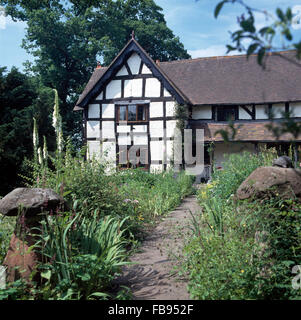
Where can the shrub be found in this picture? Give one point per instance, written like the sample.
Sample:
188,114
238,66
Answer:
223,259
237,168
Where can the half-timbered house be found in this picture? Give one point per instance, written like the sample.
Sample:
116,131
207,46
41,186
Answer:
133,102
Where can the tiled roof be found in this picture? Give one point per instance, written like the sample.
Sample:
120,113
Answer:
236,80
224,80
97,74
248,131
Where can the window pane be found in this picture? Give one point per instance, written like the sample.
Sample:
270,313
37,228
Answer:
132,112
122,113
141,113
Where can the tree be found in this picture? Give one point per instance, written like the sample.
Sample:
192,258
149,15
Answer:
20,101
68,37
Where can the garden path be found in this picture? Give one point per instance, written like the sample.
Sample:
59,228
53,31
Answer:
152,277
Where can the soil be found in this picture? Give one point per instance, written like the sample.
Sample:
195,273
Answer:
154,275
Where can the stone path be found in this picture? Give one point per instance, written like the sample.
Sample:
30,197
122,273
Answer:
151,278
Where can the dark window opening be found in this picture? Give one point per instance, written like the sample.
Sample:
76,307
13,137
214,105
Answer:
282,149
227,113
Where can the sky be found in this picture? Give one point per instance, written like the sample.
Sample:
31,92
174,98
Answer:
192,21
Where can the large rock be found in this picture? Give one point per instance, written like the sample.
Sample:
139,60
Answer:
34,201
261,182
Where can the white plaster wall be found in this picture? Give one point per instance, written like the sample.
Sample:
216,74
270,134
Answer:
108,111
108,130
261,112
169,150
123,128
134,63
170,128
146,70
244,115
296,109
140,138
156,129
202,112
122,72
222,149
140,128
152,87
124,139
93,111
133,88
140,135
277,110
156,109
166,93
94,149
157,150
170,108
113,89
93,129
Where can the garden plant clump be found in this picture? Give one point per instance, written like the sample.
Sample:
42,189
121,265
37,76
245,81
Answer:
85,247
243,249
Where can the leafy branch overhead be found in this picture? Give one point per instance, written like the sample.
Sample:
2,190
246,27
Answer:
253,40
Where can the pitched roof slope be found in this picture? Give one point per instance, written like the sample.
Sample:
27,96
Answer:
236,80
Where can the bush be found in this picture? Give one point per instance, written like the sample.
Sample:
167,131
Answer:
223,259
237,167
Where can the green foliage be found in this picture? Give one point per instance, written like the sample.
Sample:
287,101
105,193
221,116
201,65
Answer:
84,255
181,116
21,99
16,97
242,249
237,168
153,195
7,225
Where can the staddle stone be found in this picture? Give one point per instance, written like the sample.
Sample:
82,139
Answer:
33,200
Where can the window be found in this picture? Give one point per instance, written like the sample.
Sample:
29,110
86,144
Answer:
132,113
227,113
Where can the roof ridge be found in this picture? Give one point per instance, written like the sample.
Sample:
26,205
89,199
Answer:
224,57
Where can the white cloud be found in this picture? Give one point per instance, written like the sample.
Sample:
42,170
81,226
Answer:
2,19
212,51
7,21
